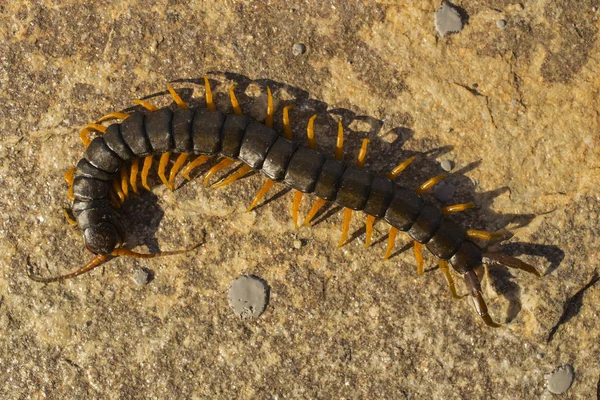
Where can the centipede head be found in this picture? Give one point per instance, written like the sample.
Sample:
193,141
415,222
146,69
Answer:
102,238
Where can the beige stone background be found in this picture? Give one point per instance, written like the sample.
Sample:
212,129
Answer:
515,110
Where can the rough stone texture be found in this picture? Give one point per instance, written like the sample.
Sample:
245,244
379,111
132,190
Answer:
514,109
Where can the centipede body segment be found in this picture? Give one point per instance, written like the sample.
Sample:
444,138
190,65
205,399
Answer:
100,182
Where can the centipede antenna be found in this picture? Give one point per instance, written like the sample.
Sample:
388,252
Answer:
196,163
181,159
484,235
224,163
391,242
457,208
296,206
369,230
180,103
261,193
88,267
418,248
444,268
310,132
270,110
345,226
399,168
135,165
287,128
319,203
508,261
233,177
147,105
123,252
430,183
209,98
124,185
162,166
234,101
146,170
112,115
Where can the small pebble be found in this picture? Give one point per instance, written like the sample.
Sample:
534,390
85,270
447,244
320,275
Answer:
446,165
248,296
297,244
298,49
501,24
560,380
444,191
447,19
141,276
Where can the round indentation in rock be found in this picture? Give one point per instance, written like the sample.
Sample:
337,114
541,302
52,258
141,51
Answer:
142,276
248,296
560,380
447,19
298,49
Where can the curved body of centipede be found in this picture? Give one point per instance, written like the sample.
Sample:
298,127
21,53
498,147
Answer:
111,164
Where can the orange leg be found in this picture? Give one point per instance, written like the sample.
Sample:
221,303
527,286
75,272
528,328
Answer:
146,170
113,115
313,211
233,177
390,243
339,143
234,101
362,155
457,207
162,166
270,110
400,167
484,235
176,167
369,228
68,218
345,226
224,163
296,206
124,185
146,105
180,103
196,163
261,193
84,134
430,183
116,184
310,132
69,178
135,165
287,128
444,267
418,247
209,98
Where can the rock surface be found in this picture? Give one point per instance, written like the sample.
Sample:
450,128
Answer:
514,109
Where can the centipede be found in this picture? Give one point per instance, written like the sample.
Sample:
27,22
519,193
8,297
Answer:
194,134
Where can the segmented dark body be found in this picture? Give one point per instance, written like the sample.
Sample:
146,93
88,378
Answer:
203,132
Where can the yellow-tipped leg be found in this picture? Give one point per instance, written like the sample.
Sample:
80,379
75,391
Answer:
69,175
234,101
162,166
296,206
400,167
345,226
313,211
430,183
310,132
68,217
146,105
418,247
287,128
135,166
339,143
369,228
84,135
196,163
176,167
116,184
444,267
146,170
270,110
457,207
113,115
70,193
124,185
209,98
362,154
233,177
261,193
180,103
224,163
390,243
484,235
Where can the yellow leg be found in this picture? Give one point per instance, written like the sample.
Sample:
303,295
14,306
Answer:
369,234
444,267
310,132
176,167
84,134
484,235
418,247
209,98
270,110
146,170
116,184
339,143
68,217
162,166
287,128
146,105
113,115
400,167
261,193
69,175
196,163
313,211
224,163
345,226
390,243
362,154
430,183
457,207
233,177
70,193
124,185
135,165
234,101
296,206
180,103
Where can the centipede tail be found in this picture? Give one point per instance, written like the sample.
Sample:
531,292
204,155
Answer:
196,134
